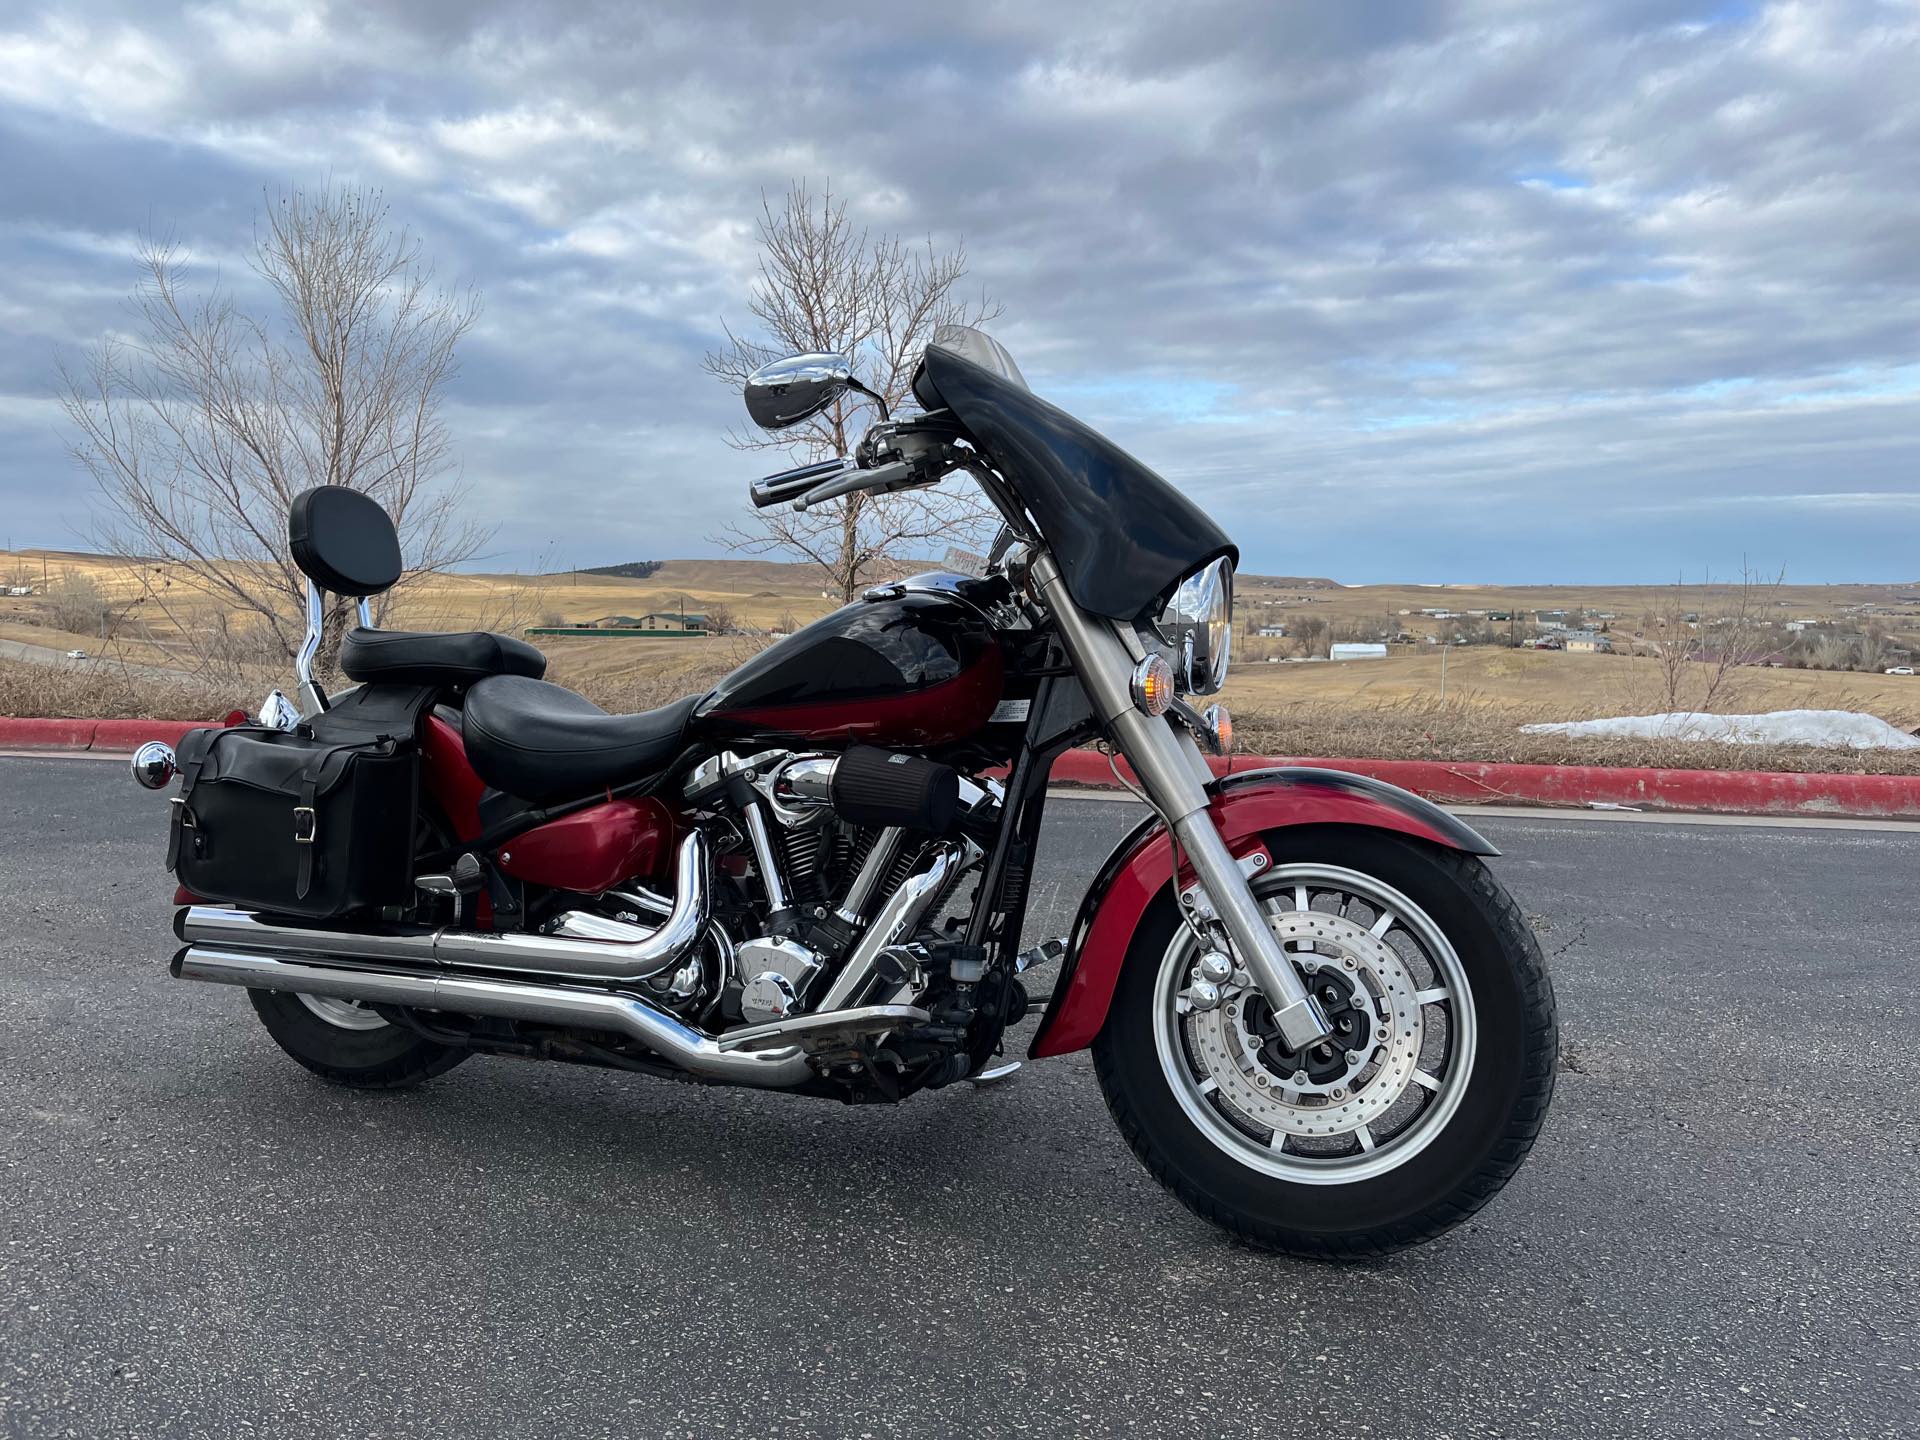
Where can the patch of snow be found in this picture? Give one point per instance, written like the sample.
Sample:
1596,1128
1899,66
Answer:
1832,729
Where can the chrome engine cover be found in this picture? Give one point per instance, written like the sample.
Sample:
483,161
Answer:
773,973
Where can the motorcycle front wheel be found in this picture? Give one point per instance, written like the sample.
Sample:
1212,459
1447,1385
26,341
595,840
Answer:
1408,1118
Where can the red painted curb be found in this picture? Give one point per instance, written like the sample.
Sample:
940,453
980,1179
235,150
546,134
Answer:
1470,782
1447,782
132,734
33,734
114,735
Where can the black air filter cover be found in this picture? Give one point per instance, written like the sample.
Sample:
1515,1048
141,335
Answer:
885,787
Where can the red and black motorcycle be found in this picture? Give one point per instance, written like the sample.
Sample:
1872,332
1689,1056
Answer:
1315,1015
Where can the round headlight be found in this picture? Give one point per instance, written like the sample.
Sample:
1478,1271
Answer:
1199,623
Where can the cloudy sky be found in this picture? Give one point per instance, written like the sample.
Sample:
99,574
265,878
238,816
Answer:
1605,290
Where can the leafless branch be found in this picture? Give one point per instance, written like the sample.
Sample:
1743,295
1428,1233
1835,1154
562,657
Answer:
200,431
826,285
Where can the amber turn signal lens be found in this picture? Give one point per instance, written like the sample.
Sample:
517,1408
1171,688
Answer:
1219,728
1153,685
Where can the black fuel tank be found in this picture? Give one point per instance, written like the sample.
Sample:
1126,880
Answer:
908,667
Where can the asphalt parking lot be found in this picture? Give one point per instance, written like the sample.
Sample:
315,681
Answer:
1715,1236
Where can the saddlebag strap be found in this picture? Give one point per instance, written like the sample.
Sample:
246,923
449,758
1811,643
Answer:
182,822
305,830
194,748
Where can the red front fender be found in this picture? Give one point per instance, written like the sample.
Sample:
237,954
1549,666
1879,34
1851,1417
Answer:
1244,807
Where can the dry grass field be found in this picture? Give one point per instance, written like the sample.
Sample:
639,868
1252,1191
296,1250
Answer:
1555,685
1399,705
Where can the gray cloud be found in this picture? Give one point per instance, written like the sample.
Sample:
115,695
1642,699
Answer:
1496,291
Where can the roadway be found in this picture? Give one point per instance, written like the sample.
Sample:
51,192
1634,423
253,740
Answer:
1715,1235
49,655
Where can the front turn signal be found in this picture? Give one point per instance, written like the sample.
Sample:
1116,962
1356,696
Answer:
1153,685
1219,729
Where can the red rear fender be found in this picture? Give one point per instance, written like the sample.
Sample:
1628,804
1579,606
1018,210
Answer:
1245,807
449,778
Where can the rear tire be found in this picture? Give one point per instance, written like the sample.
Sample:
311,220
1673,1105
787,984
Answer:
1475,1080
355,1048
352,1044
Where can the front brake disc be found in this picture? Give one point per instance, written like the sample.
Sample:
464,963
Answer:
1239,1059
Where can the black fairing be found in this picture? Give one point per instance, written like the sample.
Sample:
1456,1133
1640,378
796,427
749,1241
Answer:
867,650
1122,534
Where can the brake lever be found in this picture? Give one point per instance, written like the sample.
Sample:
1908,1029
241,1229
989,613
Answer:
881,477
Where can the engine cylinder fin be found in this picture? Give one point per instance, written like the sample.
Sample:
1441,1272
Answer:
807,852
903,866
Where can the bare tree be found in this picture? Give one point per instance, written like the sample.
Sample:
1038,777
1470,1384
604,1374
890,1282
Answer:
77,604
1701,635
201,428
827,285
1310,632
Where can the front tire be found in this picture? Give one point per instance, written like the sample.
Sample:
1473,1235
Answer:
351,1044
1412,1118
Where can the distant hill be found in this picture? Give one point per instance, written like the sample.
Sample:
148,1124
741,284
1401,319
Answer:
631,570
1287,582
743,574
741,577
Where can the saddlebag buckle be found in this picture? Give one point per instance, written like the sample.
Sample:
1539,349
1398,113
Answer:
304,830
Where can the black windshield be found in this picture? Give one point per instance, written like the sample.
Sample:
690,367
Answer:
1123,536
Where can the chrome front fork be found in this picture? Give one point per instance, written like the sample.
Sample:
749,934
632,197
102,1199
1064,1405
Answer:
1175,775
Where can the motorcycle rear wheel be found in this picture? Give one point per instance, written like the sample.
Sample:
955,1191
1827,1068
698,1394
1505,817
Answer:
1414,1116
350,1044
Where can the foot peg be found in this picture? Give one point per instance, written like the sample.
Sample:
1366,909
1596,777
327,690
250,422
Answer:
1039,955
459,880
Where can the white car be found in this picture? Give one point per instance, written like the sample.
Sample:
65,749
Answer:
76,654
1900,670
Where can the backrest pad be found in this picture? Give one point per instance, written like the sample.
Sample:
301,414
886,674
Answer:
343,541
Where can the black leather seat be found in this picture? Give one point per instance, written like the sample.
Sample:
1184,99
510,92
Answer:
411,657
543,742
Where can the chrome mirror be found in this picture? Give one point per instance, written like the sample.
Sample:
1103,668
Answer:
785,392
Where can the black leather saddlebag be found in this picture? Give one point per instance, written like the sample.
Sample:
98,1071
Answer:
314,822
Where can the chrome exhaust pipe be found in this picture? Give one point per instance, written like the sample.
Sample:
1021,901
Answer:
586,947
771,1069
903,911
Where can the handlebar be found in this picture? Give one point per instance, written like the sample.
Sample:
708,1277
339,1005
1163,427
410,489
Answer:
829,479
791,484
881,477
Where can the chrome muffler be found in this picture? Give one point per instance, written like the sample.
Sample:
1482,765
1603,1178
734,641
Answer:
237,947
771,1069
586,947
